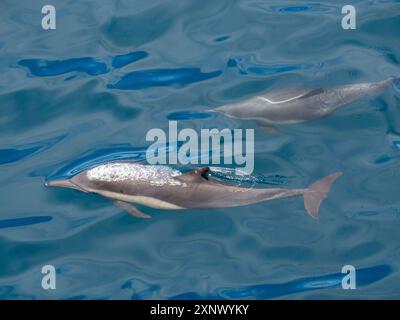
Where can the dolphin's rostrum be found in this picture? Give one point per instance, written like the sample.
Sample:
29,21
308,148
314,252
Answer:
162,187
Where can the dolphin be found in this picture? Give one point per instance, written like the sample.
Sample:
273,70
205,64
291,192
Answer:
162,187
294,105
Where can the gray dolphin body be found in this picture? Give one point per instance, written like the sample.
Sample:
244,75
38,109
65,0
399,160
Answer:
164,188
295,105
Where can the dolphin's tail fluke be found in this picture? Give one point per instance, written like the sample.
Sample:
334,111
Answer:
317,192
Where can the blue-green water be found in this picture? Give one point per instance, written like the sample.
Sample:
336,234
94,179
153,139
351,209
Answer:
90,90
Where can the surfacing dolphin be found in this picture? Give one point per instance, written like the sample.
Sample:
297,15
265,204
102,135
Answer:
294,105
161,187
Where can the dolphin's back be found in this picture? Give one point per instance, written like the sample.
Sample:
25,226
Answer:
293,105
214,194
167,189
163,188
280,106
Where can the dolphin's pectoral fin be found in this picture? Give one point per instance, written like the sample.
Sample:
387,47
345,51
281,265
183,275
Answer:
131,209
267,127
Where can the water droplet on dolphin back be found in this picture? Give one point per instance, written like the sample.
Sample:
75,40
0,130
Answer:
124,171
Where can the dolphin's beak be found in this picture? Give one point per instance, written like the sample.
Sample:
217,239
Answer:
64,183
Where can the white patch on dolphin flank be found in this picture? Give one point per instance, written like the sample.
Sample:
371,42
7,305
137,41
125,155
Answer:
121,171
281,101
145,201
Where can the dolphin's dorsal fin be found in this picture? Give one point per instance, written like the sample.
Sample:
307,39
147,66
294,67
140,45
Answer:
289,94
198,174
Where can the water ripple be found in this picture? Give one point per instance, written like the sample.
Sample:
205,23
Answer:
173,60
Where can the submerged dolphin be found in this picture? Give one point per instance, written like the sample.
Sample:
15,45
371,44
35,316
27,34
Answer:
295,105
164,188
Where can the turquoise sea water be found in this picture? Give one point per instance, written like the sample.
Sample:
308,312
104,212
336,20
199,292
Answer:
89,91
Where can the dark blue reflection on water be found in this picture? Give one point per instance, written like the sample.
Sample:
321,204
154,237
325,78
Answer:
187,115
20,222
245,65
308,7
128,58
47,68
131,81
162,77
88,65
12,155
20,152
364,277
272,70
221,39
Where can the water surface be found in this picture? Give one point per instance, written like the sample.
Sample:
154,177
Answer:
90,90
